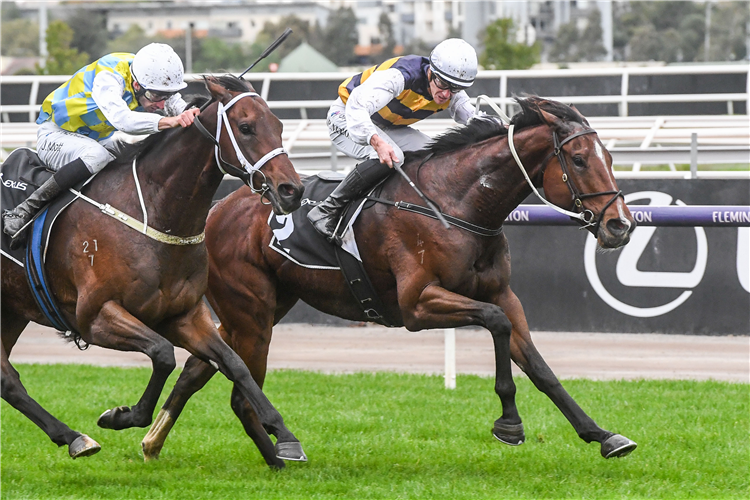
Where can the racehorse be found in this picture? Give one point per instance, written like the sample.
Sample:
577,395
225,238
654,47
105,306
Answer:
124,290
426,276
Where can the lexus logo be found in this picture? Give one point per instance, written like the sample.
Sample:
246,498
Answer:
627,265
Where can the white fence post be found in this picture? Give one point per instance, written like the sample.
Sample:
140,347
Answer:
450,358
694,155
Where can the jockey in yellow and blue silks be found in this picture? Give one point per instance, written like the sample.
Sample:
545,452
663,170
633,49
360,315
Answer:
72,107
77,121
371,117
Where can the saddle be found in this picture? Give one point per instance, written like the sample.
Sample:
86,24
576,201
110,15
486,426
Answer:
296,239
21,173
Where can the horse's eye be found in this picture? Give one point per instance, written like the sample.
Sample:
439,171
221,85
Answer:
246,129
578,161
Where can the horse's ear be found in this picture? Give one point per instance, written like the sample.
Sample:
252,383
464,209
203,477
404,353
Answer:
583,118
217,90
552,120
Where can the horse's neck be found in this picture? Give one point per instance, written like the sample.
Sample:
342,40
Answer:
179,181
533,146
483,184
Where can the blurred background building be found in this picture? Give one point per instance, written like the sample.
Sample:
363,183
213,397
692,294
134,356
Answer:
213,35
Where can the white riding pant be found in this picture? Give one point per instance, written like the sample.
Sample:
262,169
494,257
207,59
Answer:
401,139
57,147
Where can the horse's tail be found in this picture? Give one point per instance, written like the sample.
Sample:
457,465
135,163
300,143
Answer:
75,338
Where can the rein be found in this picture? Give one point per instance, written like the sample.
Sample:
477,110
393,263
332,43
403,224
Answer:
460,223
586,216
248,170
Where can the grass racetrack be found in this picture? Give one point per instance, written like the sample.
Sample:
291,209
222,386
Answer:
385,435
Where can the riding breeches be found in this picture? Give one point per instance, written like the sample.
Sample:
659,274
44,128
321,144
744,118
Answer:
57,147
401,139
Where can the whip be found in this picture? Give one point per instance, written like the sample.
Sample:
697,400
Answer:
270,49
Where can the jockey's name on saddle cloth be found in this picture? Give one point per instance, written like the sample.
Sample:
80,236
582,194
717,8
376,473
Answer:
296,239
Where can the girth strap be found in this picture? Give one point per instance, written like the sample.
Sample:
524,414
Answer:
360,286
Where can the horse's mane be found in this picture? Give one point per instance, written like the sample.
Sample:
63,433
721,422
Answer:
229,82
485,127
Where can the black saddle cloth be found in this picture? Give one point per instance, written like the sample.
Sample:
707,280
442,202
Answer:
293,235
22,173
296,238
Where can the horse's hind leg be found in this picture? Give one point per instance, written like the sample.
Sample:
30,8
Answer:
115,328
526,356
13,391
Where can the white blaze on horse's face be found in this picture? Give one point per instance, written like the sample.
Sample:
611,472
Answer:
620,203
600,152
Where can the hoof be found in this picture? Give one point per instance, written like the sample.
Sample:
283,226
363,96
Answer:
617,446
291,451
154,441
511,434
113,419
83,446
149,453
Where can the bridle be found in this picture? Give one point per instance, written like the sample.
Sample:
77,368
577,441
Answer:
587,218
248,171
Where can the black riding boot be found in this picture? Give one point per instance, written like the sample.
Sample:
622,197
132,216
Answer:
363,177
68,176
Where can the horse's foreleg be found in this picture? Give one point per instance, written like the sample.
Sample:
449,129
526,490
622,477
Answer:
116,328
193,378
13,391
526,356
437,307
251,344
197,333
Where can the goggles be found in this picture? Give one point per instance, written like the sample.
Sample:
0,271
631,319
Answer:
443,85
157,95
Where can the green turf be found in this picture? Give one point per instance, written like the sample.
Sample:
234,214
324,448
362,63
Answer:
386,436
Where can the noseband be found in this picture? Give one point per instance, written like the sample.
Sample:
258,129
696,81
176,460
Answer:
587,217
248,171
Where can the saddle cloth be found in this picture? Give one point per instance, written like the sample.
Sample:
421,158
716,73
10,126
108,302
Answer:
297,240
22,173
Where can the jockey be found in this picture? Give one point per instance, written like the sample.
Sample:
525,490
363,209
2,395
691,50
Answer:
371,117
120,91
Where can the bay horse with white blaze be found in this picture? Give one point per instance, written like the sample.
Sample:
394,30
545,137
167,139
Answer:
144,294
427,276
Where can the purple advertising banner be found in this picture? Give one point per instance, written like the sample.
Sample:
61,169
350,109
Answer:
663,216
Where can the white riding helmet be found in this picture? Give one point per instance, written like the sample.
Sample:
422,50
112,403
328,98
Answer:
157,67
454,61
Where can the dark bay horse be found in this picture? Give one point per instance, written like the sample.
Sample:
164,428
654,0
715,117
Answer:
427,276
124,290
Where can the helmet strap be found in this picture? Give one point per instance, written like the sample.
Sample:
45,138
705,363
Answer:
140,90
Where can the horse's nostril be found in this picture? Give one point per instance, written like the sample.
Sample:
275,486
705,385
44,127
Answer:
286,190
291,193
617,227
